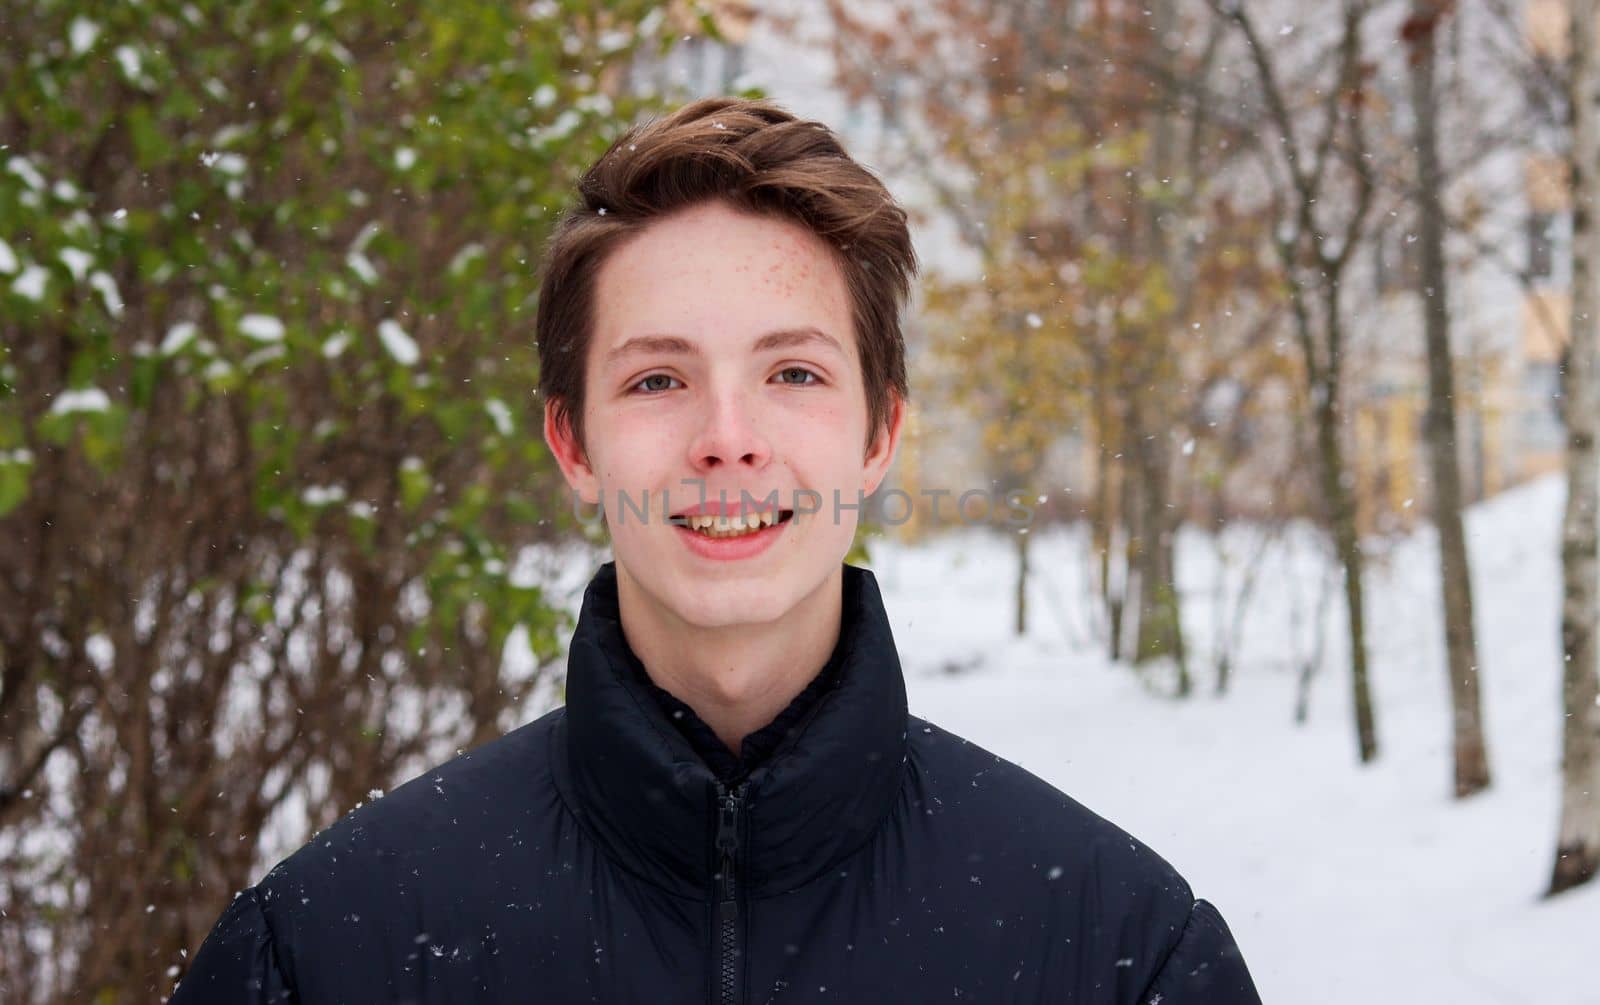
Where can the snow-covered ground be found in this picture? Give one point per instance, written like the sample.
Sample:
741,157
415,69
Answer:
1342,883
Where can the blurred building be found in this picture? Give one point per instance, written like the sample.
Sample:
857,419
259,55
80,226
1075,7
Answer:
1547,260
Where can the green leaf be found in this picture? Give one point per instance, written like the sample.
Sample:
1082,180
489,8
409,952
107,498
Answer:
15,467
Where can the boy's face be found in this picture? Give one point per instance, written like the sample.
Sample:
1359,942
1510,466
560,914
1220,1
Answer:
723,356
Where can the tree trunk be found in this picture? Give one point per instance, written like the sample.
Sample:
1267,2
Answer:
1578,841
1461,647
1347,540
1022,536
1132,545
1160,625
1314,266
1158,633
1105,507
1160,621
1101,522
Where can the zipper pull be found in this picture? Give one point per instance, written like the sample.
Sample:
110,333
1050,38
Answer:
728,845
728,822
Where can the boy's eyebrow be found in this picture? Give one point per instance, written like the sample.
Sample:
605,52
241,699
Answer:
669,344
789,338
783,338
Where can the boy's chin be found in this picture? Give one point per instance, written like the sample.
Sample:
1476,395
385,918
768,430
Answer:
724,610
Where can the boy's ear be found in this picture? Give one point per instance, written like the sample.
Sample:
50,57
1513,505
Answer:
570,455
884,445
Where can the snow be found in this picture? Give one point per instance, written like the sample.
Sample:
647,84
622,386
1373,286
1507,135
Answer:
615,40
177,337
560,129
362,266
461,259
107,288
87,399
31,283
500,414
24,169
369,230
81,34
265,354
595,101
399,344
230,164
1341,883
650,22
323,495
77,262
132,65
261,327
335,345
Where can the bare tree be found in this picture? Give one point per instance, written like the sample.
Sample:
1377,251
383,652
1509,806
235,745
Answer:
1578,841
1461,647
1323,195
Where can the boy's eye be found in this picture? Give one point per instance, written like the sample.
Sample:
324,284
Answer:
796,375
655,383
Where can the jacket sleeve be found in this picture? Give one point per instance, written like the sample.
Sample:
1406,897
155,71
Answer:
1204,967
238,962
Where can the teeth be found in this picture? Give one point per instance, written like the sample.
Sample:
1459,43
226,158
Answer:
726,526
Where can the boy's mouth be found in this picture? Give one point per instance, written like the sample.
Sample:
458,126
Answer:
736,525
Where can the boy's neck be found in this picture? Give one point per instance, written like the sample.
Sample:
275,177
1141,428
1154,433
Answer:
737,679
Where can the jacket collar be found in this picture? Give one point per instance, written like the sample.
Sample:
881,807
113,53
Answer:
651,800
757,746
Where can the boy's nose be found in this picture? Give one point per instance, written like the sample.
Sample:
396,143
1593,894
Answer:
729,434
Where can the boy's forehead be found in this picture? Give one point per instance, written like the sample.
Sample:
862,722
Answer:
719,244
715,270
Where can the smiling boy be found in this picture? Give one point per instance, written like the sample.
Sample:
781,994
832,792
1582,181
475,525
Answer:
722,365
734,805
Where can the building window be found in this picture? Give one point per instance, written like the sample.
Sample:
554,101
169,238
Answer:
1541,245
1543,428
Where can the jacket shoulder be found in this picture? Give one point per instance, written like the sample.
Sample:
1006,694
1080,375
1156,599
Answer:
1044,854
970,785
448,814
238,963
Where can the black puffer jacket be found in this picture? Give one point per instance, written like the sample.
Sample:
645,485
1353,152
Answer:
593,856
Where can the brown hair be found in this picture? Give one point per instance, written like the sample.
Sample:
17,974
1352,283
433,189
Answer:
756,157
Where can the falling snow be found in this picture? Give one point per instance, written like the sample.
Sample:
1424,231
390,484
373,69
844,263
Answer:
400,345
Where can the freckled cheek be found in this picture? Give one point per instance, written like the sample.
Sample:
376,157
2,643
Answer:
832,415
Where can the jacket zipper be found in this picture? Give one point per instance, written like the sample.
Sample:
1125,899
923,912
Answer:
730,953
